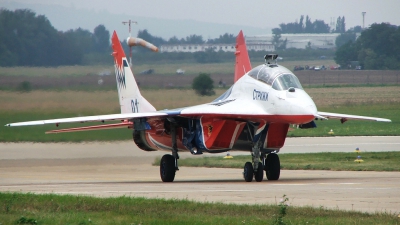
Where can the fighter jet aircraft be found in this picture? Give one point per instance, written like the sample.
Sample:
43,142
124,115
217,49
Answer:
253,115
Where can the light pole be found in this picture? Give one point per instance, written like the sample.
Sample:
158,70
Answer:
129,22
363,15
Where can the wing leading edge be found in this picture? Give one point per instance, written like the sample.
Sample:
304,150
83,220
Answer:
344,117
98,118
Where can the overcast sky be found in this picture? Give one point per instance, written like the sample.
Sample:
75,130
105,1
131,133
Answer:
256,13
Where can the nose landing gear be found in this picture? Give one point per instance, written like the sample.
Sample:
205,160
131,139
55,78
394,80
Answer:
272,169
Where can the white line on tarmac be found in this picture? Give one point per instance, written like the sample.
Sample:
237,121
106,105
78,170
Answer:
182,191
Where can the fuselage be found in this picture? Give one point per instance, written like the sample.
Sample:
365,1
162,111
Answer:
267,94
278,91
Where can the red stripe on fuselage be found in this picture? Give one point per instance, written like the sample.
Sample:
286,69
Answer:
290,119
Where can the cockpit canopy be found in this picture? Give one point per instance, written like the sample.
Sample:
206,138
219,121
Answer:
278,79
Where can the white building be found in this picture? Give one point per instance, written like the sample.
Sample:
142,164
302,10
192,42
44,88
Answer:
317,41
263,43
255,45
197,47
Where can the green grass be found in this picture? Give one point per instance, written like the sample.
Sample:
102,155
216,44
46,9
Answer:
373,161
65,209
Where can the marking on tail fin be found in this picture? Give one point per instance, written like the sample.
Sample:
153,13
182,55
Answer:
120,74
128,90
135,106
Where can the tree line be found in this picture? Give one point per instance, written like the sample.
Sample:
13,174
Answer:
378,47
28,39
306,26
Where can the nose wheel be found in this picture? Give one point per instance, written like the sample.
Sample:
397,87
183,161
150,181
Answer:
259,174
272,169
249,172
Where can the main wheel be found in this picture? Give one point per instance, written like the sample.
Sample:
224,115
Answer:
248,172
272,167
259,175
167,168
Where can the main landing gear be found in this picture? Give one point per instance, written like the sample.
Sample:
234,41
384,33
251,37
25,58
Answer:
169,163
272,167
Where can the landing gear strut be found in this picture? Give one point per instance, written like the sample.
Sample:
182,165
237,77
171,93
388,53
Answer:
169,163
260,161
255,169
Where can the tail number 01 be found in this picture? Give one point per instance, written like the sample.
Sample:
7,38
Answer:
135,106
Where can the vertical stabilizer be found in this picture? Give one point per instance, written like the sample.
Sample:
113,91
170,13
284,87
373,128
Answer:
130,99
243,64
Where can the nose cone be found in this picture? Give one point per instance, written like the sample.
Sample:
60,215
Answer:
302,105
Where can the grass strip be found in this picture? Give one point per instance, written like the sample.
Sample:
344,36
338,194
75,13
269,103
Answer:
17,208
372,161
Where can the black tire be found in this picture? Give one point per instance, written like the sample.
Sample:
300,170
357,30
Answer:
272,167
248,172
167,168
259,175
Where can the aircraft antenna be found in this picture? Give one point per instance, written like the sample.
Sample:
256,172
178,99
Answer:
129,22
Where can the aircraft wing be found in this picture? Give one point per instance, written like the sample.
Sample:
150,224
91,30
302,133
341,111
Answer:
82,119
231,108
345,117
226,109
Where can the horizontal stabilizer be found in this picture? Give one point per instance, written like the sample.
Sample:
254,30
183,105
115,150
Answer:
98,127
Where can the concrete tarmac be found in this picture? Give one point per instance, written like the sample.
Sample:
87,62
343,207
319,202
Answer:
119,168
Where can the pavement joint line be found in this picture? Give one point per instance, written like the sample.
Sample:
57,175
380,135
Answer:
182,191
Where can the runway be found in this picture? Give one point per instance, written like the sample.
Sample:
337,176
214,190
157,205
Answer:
119,168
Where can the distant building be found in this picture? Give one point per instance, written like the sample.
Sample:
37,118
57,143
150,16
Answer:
251,45
263,43
197,47
317,41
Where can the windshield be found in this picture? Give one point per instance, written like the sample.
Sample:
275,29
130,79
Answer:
285,81
262,73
